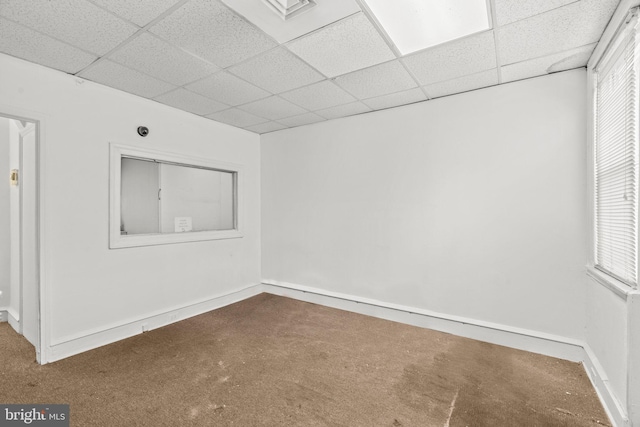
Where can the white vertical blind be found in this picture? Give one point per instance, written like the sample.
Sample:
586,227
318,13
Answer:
616,157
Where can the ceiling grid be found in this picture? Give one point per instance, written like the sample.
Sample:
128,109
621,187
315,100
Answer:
332,61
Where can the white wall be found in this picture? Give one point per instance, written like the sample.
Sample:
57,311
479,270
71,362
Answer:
5,218
607,335
89,287
471,205
633,359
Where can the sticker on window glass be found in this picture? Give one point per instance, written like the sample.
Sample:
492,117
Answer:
182,224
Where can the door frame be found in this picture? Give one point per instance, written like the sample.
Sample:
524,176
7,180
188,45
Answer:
42,340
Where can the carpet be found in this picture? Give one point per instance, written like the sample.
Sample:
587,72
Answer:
275,361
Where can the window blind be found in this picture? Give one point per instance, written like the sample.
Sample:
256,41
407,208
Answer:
616,157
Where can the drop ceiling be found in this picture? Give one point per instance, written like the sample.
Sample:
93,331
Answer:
229,61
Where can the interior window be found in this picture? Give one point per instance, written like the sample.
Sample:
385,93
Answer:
159,196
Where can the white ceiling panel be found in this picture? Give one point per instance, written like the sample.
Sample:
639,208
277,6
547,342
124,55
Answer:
508,11
459,58
236,117
344,110
395,99
123,78
228,89
273,108
348,45
324,13
76,22
378,80
548,64
140,12
209,29
265,127
23,42
318,96
301,120
192,102
463,84
277,71
565,28
159,59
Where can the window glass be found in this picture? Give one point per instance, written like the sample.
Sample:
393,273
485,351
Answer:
160,198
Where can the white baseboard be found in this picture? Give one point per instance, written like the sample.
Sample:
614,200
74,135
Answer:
94,339
522,339
617,414
10,316
14,320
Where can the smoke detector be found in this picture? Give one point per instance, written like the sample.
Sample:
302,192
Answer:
288,9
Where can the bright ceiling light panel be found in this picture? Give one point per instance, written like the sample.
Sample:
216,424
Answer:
418,24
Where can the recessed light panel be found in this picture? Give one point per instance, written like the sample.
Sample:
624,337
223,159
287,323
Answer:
414,25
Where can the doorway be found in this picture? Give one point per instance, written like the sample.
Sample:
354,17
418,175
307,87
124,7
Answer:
19,247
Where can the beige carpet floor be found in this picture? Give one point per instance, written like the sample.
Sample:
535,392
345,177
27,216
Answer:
274,361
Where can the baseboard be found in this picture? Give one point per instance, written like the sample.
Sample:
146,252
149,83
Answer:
617,414
4,315
14,319
93,339
522,339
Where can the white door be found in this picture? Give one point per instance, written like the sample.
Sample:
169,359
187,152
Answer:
29,223
24,287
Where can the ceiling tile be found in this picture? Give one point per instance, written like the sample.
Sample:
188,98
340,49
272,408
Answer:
23,42
344,110
261,13
273,108
228,89
319,95
159,59
348,45
395,99
211,30
463,84
378,80
76,22
456,59
265,127
568,27
277,71
508,11
189,101
301,120
140,12
123,78
548,64
236,117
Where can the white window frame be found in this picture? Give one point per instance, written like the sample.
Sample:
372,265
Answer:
118,240
619,18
